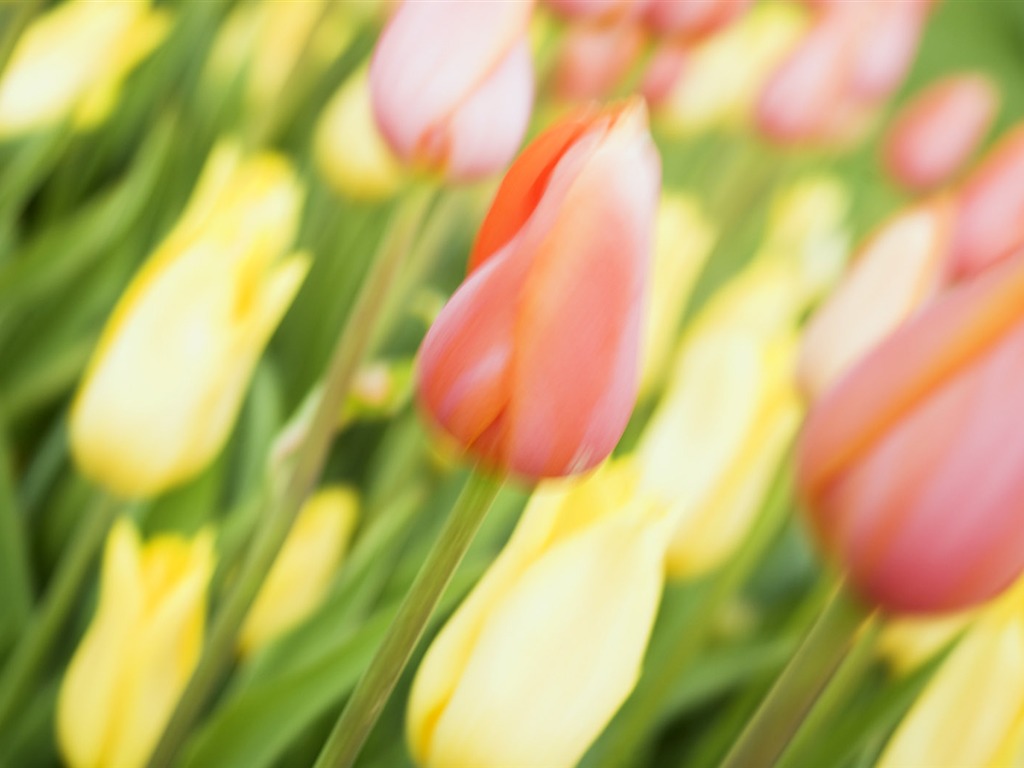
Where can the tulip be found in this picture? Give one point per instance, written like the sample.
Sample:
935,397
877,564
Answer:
991,219
70,62
972,711
598,10
694,18
302,572
712,447
912,465
666,67
170,371
899,268
594,59
452,84
136,657
349,150
534,363
885,50
724,74
908,642
683,240
939,130
549,644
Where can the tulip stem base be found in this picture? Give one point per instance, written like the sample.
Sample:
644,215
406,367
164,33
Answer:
380,678
44,627
780,715
351,348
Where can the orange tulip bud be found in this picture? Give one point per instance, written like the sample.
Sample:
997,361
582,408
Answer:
533,364
991,220
452,84
913,465
940,129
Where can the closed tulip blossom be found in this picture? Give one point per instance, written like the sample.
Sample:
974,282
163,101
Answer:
452,84
900,267
972,710
598,10
593,59
937,133
139,651
694,18
990,223
172,365
70,62
911,466
549,644
533,365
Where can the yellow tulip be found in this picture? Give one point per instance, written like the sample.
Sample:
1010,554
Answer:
70,62
908,642
168,376
683,240
350,151
301,575
549,644
714,443
972,711
724,75
139,652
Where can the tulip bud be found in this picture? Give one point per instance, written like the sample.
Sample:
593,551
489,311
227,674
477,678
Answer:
885,49
730,410
350,152
452,84
304,567
534,363
899,268
129,670
683,240
593,59
694,18
724,74
549,644
912,465
991,220
980,689
598,10
70,62
171,368
666,66
939,130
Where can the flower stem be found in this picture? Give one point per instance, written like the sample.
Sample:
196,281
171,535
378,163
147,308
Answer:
794,693
374,688
36,642
351,348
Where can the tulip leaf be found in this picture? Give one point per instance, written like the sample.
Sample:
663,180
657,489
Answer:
15,573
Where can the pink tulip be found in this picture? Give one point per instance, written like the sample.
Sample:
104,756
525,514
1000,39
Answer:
693,19
885,49
533,363
991,220
594,59
452,84
939,130
598,10
663,72
912,467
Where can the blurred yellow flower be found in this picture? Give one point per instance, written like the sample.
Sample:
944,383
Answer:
139,652
350,151
714,443
724,75
549,644
70,62
301,575
683,240
972,711
907,642
171,368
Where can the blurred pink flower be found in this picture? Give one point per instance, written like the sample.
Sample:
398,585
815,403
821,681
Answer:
594,58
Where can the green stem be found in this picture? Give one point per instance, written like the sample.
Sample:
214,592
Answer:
374,688
349,352
688,633
15,571
835,697
44,628
794,693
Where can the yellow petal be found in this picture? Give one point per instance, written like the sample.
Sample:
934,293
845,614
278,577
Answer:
303,570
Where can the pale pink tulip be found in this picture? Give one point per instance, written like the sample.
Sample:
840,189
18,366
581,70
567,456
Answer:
533,363
692,19
593,59
939,130
663,72
452,84
598,10
991,220
912,467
